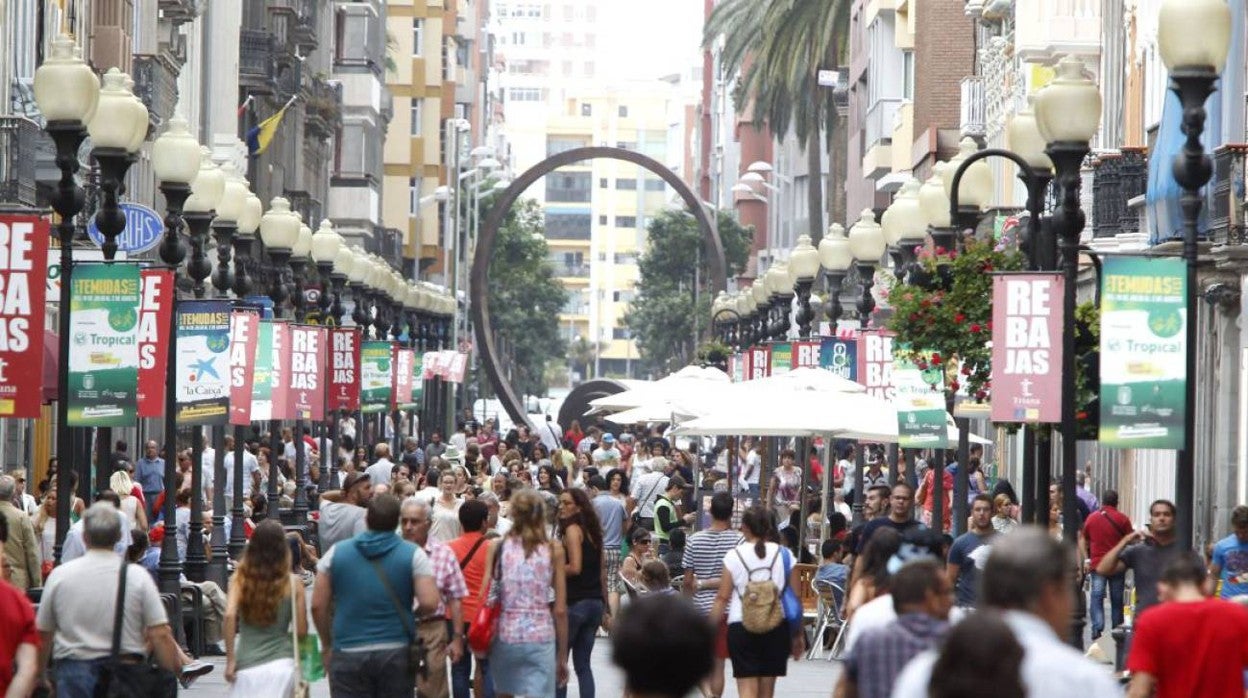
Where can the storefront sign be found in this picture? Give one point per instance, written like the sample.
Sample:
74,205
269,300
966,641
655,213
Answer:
875,363
144,229
344,368
23,265
155,310
1143,352
376,367
307,367
1027,348
244,333
103,345
458,367
202,362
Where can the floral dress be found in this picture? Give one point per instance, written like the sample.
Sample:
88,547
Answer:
522,658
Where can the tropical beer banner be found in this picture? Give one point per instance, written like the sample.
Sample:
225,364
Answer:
262,377
23,272
307,367
781,358
155,309
920,401
202,368
1027,347
1143,352
344,368
244,333
376,368
103,347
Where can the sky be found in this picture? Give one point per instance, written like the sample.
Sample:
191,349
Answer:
647,39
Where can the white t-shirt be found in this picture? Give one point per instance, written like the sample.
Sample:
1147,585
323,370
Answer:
750,472
79,601
550,436
250,465
379,472
347,426
772,564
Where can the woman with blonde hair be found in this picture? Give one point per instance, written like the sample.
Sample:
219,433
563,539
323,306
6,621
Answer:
529,656
121,483
265,599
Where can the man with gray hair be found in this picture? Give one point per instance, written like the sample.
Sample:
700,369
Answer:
1028,577
75,542
415,519
495,523
78,605
21,550
644,491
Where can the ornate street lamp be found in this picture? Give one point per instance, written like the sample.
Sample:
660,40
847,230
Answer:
762,309
357,276
904,226
835,257
976,184
343,265
780,293
279,231
117,130
326,245
803,268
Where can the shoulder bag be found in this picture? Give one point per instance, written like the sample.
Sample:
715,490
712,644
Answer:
483,627
417,662
641,502
121,679
301,689
792,605
472,551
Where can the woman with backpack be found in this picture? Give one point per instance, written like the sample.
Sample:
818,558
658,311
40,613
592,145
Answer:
753,582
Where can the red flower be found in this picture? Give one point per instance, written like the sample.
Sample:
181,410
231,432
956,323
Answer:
914,317
935,359
966,369
925,303
1081,415
987,266
954,385
959,318
940,250
980,395
975,327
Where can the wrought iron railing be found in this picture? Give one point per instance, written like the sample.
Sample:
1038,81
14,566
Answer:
19,140
156,85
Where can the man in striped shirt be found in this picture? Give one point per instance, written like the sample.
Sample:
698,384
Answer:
704,565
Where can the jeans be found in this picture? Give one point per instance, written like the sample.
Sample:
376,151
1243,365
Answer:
1116,592
461,674
372,674
584,617
76,678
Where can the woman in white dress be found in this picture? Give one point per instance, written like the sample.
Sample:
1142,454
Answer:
121,483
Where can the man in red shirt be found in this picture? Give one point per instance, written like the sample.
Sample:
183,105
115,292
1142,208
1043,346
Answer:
1188,645
471,550
19,640
1101,532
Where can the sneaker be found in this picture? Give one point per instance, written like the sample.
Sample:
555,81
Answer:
191,672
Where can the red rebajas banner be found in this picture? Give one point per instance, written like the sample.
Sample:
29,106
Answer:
1027,348
155,311
344,368
875,363
404,362
23,283
244,331
307,367
283,401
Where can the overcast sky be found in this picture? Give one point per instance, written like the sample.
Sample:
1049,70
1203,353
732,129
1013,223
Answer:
647,39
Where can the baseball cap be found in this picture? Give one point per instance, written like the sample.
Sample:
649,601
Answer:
608,439
354,479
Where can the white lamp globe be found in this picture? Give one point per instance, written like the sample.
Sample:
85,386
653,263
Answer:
175,154
303,244
279,229
1194,34
933,201
866,238
249,220
234,194
1068,109
66,89
804,260
975,187
326,243
207,187
834,252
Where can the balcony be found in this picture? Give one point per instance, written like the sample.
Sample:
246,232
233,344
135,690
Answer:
973,121
877,158
303,29
19,143
1226,191
570,271
156,85
178,12
322,107
1117,178
1045,30
257,71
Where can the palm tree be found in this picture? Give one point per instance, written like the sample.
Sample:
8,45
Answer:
780,46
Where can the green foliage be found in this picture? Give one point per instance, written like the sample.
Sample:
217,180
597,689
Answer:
663,315
525,297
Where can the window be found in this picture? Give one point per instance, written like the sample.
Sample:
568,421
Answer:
554,146
415,115
602,183
525,94
589,69
623,112
602,256
567,69
602,220
418,36
626,258
626,145
567,226
413,195
655,185
623,296
519,38
626,184
619,333
568,187
626,221
907,71
587,110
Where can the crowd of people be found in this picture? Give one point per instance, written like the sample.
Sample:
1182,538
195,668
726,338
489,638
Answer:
552,538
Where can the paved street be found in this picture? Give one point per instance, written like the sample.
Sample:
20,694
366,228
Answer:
805,679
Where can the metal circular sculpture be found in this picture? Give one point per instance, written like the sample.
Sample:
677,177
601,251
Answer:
576,404
485,252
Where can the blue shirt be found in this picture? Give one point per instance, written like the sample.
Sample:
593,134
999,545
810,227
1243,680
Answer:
966,554
1231,556
150,474
611,516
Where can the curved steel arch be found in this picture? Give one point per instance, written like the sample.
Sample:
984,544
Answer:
485,249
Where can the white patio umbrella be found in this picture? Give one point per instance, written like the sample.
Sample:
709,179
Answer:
682,383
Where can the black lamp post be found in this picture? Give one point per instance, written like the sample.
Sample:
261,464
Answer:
1194,38
803,268
298,263
279,231
835,257
326,249
241,241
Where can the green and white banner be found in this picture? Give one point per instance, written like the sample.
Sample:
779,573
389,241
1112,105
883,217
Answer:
262,378
418,379
376,381
104,345
781,358
1143,352
202,386
919,396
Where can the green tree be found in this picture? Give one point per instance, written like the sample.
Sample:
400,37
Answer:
525,298
668,317
780,46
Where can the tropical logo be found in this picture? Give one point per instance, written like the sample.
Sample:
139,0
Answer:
122,319
1165,322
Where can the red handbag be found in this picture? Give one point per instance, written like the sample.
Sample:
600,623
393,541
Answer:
485,624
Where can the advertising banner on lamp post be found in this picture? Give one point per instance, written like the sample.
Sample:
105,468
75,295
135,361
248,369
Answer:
376,368
1027,348
1143,352
418,378
876,371
344,368
781,358
279,375
401,397
459,366
760,361
840,356
920,401
23,267
307,367
244,335
805,354
262,378
155,309
103,345
202,369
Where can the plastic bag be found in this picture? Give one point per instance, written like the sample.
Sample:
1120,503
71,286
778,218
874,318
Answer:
310,658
